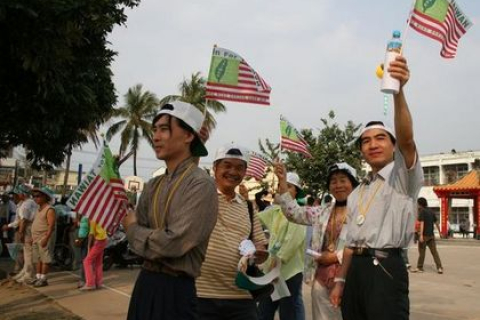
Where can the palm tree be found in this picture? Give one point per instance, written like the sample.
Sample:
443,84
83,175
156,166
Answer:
134,126
193,92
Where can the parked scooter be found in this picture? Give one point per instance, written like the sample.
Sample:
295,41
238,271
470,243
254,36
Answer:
117,252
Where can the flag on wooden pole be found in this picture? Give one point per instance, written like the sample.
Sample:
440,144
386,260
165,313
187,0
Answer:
101,196
291,139
256,166
231,78
441,20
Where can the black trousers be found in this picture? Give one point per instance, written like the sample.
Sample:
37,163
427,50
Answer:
227,309
159,296
372,293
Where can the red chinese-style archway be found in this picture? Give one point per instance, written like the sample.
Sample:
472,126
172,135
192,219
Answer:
467,187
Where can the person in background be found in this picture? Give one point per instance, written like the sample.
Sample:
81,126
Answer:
43,235
93,262
427,237
286,243
260,200
6,208
26,210
81,242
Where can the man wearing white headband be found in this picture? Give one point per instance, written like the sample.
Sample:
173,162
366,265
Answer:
373,282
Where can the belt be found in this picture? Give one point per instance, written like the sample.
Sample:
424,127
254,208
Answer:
162,268
377,253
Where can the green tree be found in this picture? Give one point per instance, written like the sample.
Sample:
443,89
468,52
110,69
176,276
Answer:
193,91
332,144
135,123
55,79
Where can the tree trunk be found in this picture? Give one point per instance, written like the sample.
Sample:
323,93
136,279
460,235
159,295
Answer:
67,171
135,162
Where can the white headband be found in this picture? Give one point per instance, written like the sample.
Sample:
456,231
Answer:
376,126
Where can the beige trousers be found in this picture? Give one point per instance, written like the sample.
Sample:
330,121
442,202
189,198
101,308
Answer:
28,267
321,306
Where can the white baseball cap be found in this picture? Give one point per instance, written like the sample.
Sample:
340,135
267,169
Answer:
192,117
294,179
231,151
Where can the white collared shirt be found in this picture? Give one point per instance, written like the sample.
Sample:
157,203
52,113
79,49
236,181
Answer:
389,204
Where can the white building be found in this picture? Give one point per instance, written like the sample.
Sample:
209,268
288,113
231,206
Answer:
447,168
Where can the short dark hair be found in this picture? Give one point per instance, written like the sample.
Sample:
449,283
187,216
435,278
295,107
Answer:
422,202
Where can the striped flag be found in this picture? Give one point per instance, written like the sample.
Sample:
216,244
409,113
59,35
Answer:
256,166
101,196
232,79
291,139
441,20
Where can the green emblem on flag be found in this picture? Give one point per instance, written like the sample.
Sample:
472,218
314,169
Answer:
107,166
288,131
224,70
436,9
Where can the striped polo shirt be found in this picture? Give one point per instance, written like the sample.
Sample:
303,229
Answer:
217,279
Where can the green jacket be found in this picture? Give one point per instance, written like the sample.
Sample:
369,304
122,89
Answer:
287,242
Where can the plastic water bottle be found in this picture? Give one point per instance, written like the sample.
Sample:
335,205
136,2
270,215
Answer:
394,47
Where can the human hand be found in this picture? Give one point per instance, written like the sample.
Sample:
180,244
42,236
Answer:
243,264
421,239
243,190
398,69
44,242
336,294
129,219
204,133
281,173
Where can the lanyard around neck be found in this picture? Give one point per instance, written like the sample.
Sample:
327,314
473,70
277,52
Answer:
171,192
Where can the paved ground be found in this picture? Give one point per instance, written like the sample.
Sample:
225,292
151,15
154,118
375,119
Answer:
453,295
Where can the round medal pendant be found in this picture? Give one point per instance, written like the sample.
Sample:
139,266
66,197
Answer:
360,220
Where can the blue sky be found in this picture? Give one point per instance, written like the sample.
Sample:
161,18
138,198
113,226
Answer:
316,55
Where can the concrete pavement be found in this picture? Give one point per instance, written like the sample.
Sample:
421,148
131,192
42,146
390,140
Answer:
453,295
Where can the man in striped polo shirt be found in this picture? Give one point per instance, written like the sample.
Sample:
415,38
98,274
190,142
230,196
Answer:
219,297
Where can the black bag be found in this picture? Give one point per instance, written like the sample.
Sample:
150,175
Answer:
253,271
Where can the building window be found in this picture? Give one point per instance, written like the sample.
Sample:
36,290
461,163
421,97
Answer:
431,176
456,216
455,172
